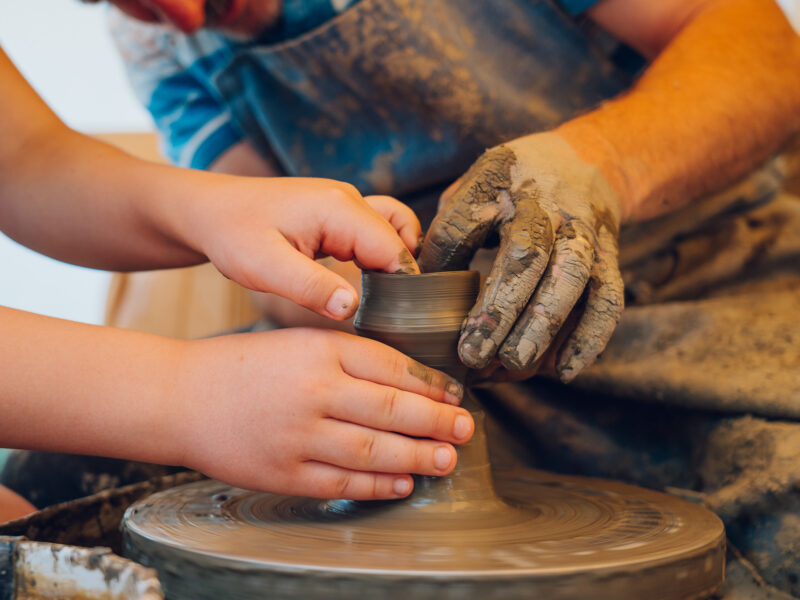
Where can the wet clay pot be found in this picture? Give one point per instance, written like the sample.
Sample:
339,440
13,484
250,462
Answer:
420,315
472,534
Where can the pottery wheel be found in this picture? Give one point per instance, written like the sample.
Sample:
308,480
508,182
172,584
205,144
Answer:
472,534
555,537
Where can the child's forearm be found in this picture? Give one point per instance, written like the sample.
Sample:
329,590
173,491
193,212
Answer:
85,389
80,200
721,97
84,202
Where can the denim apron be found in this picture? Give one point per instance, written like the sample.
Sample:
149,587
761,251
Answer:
395,96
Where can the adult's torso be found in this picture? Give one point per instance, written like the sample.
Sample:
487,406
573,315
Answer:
396,96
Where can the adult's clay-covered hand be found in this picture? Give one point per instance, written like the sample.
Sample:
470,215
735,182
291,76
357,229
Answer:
557,220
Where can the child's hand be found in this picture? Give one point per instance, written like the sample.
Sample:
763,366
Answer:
317,413
266,233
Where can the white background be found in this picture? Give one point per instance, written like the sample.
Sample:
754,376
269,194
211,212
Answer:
62,48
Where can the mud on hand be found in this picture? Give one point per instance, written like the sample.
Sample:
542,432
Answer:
557,219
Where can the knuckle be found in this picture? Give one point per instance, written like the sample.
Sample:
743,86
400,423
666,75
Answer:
611,300
317,341
510,356
442,421
407,214
399,366
423,459
346,193
314,287
368,449
391,406
351,191
342,485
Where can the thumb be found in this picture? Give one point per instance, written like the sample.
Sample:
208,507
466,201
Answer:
302,280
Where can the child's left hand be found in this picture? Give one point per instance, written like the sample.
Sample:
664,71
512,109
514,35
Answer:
265,234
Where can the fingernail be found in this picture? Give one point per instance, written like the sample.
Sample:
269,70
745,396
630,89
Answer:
476,350
442,457
456,391
462,427
510,358
567,373
402,487
341,303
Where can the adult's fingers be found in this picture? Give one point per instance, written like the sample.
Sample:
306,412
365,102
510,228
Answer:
470,213
525,245
136,9
400,216
363,449
186,15
370,360
604,304
561,287
320,480
386,408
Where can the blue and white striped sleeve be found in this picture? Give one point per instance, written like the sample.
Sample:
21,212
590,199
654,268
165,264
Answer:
194,126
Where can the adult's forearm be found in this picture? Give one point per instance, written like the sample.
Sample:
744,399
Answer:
722,97
85,389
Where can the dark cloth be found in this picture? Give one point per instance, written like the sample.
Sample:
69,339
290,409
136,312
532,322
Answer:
744,468
47,478
698,392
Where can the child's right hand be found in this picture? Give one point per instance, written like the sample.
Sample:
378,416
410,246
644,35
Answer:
316,413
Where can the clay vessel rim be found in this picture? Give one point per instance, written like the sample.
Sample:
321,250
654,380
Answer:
434,275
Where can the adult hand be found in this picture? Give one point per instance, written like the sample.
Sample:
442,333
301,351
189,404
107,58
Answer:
186,15
239,16
316,413
265,234
557,219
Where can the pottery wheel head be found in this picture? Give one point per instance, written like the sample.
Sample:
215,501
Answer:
599,539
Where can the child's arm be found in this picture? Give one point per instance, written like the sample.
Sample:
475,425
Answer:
79,200
299,411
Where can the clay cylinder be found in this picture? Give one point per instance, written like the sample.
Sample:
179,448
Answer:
420,315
